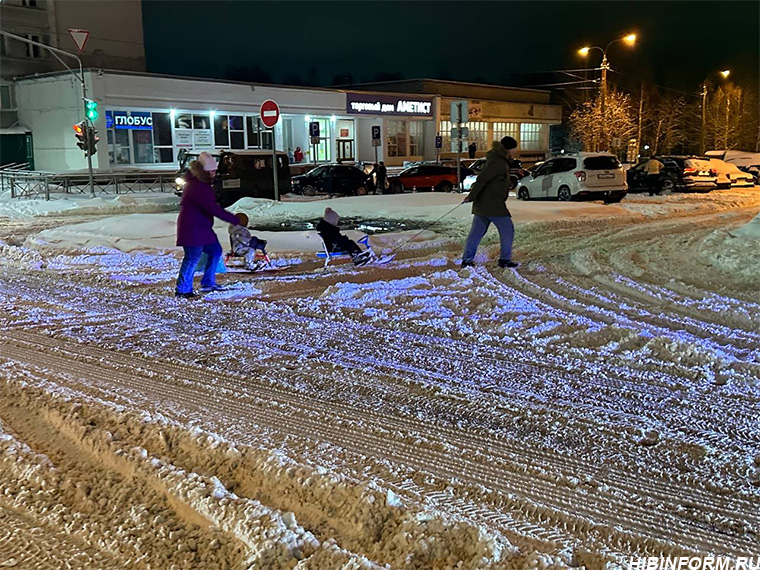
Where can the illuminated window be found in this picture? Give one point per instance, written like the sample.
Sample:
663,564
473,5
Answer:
416,138
397,138
531,136
501,130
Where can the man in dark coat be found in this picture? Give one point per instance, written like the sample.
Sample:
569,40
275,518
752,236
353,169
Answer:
195,226
489,195
380,176
471,149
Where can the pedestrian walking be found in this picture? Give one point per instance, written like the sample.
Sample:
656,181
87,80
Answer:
489,195
298,154
472,149
653,168
195,226
380,177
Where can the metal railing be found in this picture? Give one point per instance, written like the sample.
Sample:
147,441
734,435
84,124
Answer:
31,184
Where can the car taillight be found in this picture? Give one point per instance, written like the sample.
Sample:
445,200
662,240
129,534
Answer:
713,172
689,170
580,175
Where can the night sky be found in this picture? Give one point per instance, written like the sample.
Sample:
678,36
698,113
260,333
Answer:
318,43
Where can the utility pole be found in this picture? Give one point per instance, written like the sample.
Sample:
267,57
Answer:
725,128
605,67
641,111
80,77
459,145
702,130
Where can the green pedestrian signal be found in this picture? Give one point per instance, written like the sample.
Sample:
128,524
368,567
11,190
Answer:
91,109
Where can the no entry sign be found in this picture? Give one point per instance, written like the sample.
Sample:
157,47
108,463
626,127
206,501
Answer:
270,113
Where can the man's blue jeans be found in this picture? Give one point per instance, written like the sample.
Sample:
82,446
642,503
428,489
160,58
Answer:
193,253
478,230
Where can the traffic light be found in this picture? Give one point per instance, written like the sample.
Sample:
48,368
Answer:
91,109
81,133
87,138
92,141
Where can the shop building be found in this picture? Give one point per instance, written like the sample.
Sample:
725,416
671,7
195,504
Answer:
493,112
146,119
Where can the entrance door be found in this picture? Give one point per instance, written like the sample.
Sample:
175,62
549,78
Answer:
345,150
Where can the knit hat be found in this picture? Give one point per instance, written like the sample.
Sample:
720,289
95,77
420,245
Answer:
207,161
509,143
331,216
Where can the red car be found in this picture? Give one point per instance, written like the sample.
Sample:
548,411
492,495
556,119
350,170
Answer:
426,177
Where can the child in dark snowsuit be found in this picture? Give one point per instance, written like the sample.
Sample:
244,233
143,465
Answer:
243,243
336,241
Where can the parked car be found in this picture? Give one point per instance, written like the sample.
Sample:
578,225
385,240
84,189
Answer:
729,175
746,161
694,174
426,177
670,176
332,179
241,174
594,175
516,173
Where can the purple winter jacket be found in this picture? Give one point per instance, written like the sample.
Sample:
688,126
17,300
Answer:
197,208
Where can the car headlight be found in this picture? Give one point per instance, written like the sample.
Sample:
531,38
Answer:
179,181
295,182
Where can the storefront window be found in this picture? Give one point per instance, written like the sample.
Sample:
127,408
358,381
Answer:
501,130
478,134
163,151
445,132
258,136
397,138
531,136
324,149
416,138
120,151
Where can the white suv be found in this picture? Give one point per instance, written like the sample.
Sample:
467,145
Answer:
591,175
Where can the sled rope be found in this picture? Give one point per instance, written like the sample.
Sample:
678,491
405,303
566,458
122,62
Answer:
399,246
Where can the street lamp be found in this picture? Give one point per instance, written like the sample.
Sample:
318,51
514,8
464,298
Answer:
725,73
629,39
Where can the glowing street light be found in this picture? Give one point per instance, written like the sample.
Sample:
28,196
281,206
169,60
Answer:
629,39
725,73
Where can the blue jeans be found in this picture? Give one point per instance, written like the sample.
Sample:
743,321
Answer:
478,230
193,253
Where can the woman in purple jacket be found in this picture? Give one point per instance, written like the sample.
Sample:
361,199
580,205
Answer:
195,226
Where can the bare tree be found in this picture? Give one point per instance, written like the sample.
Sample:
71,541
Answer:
587,120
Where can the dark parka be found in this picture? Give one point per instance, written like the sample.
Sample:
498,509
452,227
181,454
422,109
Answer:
490,190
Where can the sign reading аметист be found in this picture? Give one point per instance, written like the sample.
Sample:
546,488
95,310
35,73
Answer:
371,104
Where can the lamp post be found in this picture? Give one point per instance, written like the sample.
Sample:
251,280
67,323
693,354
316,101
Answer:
725,73
630,39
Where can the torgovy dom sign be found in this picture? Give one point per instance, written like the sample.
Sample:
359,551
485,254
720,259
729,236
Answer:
368,104
139,120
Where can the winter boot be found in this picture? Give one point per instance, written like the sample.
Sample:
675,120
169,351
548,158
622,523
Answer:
508,263
467,264
188,295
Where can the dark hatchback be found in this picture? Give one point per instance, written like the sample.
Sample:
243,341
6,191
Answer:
332,179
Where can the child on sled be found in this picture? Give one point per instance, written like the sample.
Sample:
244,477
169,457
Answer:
245,244
337,242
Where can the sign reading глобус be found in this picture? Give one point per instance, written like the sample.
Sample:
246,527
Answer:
369,104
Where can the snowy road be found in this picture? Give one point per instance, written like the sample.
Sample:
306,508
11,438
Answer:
599,402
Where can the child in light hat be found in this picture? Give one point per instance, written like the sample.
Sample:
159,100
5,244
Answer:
336,241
